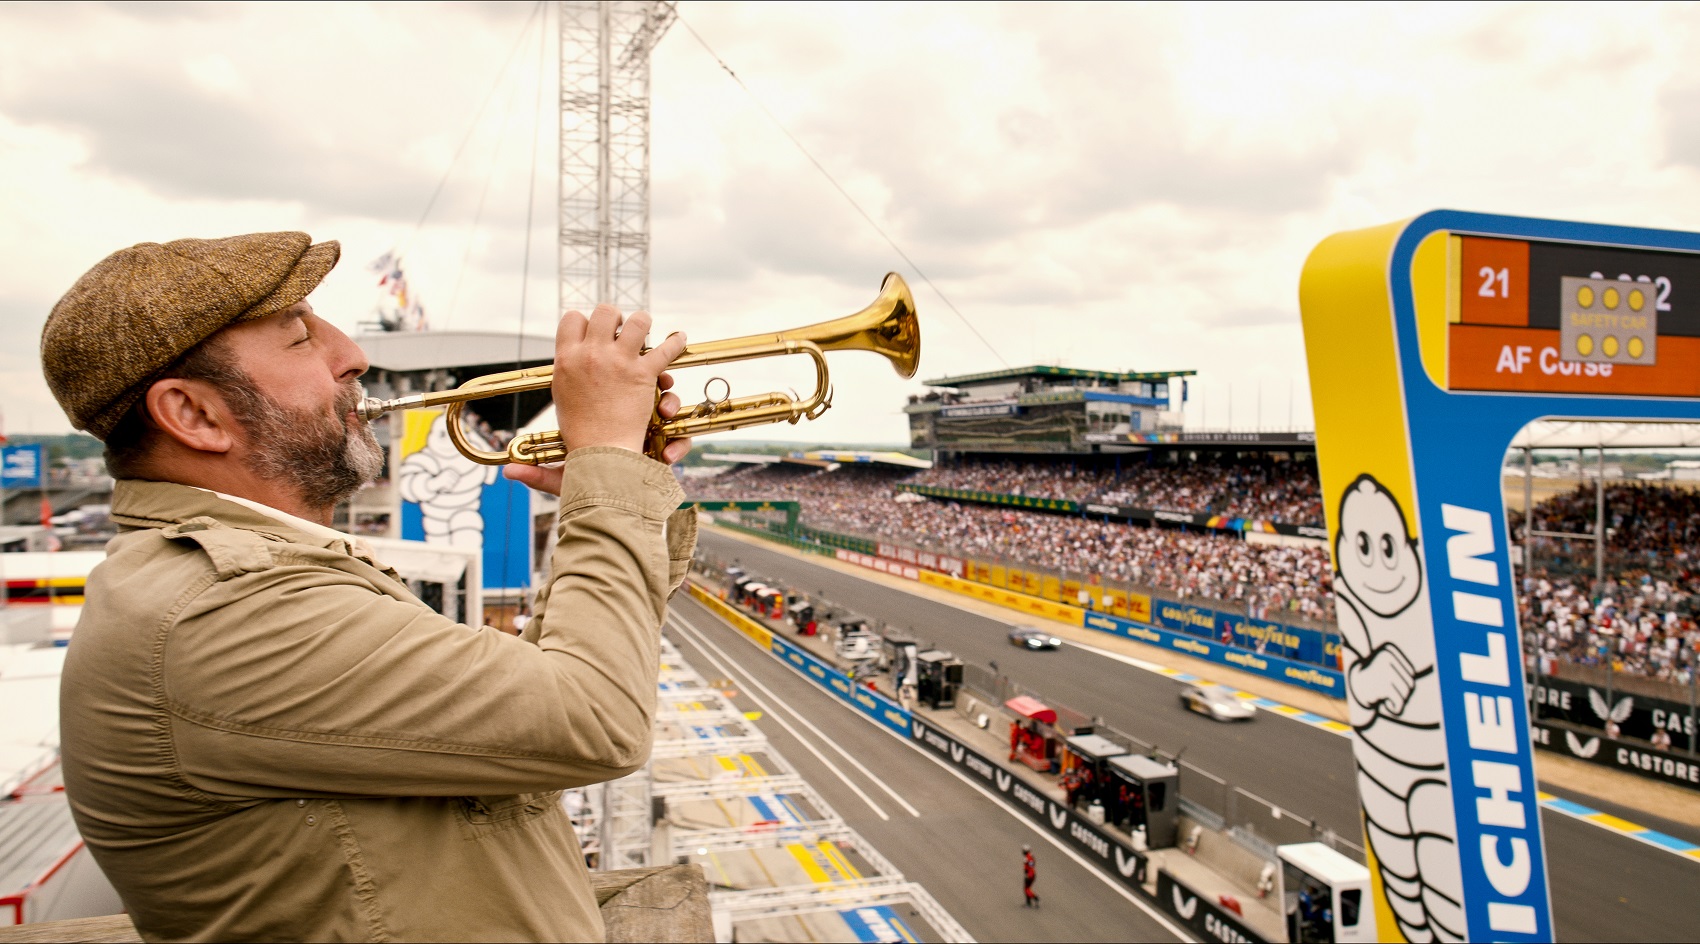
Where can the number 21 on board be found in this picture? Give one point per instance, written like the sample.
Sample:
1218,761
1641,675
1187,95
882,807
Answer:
1496,283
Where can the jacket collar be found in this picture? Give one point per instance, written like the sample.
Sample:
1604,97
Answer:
141,504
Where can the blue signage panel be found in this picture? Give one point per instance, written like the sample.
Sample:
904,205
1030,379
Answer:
447,498
22,466
871,703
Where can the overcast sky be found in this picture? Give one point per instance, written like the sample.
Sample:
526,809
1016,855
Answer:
1111,187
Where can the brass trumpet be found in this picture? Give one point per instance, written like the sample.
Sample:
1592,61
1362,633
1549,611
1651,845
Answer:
887,327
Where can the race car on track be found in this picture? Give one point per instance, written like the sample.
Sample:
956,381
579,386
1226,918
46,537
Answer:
1216,702
1026,637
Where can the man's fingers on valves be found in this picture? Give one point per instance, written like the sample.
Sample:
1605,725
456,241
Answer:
634,330
571,329
666,352
669,405
604,323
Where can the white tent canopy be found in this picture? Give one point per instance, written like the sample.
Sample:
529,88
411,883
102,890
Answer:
1607,434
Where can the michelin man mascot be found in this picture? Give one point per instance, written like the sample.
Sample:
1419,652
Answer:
1394,697
449,488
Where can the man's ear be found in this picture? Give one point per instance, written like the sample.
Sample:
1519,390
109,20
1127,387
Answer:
193,413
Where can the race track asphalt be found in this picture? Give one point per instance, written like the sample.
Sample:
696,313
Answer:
1604,886
964,847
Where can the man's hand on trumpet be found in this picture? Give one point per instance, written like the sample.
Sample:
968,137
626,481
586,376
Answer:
605,388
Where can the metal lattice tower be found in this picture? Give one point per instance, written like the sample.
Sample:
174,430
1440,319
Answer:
604,211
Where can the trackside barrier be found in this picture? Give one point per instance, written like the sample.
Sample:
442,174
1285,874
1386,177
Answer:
876,706
1678,770
1203,916
805,546
1115,858
1326,681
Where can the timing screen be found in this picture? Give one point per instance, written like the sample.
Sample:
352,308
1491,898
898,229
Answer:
1565,318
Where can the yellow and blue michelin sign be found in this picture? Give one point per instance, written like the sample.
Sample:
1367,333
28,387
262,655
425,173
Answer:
1431,343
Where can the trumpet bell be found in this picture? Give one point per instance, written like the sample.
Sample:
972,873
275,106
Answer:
887,327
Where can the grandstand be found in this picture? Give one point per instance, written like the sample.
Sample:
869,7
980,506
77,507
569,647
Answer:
1043,410
1642,619
1235,526
1082,479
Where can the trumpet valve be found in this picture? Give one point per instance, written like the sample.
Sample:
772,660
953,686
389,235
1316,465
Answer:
821,407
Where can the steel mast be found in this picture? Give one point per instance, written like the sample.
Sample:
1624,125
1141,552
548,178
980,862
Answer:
604,185
604,256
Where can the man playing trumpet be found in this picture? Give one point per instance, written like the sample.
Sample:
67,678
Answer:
265,735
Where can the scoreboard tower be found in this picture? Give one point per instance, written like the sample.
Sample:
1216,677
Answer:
1431,343
1044,410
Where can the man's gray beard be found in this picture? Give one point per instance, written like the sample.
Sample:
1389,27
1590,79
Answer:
315,456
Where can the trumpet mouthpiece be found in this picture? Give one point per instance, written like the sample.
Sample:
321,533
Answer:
371,408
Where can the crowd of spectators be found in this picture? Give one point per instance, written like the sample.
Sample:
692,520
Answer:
1641,625
1271,491
1643,620
1266,581
1651,527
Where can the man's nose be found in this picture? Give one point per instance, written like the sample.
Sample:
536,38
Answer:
347,359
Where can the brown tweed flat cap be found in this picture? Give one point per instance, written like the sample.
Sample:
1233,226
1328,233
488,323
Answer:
140,309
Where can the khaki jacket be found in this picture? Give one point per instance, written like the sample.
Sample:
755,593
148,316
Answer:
267,737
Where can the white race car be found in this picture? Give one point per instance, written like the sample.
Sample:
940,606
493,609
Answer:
1217,702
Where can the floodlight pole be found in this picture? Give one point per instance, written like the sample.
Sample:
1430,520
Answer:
1528,505
1600,521
1528,559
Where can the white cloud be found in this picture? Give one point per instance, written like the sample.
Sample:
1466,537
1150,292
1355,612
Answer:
1103,186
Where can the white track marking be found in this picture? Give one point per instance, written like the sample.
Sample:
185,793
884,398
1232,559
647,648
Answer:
1119,657
679,619
998,801
706,645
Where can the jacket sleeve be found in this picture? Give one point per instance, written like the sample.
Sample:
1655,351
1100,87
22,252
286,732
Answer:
301,679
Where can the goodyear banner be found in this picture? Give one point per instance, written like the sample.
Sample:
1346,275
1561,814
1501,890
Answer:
1254,646
1186,618
1315,678
1263,637
447,498
1266,637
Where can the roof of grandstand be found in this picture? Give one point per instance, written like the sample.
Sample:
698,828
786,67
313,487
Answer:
821,458
1043,370
1595,434
407,351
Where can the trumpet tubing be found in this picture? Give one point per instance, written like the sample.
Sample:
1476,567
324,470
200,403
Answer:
887,327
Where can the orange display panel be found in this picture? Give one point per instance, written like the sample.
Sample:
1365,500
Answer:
1486,357
1548,317
1494,281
